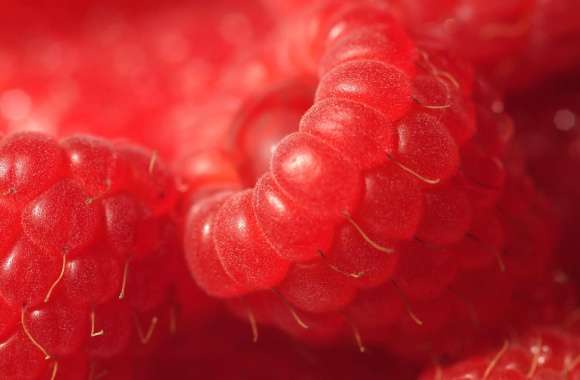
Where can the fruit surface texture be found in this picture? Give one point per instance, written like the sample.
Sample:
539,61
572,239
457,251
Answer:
86,256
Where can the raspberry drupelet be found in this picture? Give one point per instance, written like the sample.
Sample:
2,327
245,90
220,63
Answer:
87,255
381,206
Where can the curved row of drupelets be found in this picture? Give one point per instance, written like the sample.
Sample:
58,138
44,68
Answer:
394,137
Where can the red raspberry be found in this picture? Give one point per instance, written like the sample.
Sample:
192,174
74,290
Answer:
87,254
374,205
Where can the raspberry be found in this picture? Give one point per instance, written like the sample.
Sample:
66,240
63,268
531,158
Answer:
335,122
86,255
294,232
393,193
245,255
426,148
306,169
543,353
361,263
370,82
207,269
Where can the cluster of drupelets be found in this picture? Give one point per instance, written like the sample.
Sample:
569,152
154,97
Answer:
371,197
397,214
88,254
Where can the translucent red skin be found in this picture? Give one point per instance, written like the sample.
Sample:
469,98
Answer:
101,209
333,179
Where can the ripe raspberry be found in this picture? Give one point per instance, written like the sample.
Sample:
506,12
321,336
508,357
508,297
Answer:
542,353
87,254
374,205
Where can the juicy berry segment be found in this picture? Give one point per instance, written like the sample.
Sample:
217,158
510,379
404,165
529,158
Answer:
296,233
337,122
373,83
395,191
84,254
397,219
313,175
206,266
241,247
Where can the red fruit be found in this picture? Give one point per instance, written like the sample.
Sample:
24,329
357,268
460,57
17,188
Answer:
337,122
115,321
9,225
446,216
311,242
358,261
241,248
95,165
27,273
385,42
426,148
312,174
8,318
92,279
437,90
20,358
29,164
83,254
75,367
316,288
203,261
123,216
295,232
398,218
63,208
379,85
59,328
